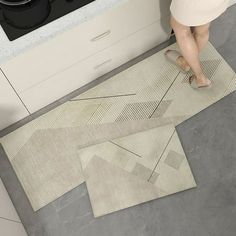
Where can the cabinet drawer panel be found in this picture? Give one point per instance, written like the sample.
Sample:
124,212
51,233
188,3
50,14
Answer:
80,42
11,107
84,72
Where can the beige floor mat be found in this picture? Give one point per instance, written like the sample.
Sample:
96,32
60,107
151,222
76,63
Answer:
151,94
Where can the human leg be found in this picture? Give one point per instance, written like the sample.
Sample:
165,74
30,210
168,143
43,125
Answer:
189,49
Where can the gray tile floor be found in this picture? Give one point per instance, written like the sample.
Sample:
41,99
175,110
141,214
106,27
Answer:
209,141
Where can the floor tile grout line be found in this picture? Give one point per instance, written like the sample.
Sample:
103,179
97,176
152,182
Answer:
125,149
161,156
3,218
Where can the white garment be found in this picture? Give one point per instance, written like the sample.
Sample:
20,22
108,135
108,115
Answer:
197,12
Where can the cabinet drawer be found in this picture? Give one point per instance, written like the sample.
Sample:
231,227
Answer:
84,72
82,41
11,107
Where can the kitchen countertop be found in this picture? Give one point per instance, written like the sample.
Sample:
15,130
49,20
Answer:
9,49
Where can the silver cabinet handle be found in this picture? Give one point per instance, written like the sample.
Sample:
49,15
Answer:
105,62
101,36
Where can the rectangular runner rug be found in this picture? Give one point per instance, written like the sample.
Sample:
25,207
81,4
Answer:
123,126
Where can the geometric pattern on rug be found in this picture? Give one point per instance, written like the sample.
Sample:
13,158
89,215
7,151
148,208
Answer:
209,68
150,94
47,164
174,159
130,170
138,110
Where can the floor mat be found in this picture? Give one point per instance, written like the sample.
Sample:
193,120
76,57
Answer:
137,168
148,165
149,94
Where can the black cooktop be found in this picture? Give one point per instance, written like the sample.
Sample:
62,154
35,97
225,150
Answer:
58,8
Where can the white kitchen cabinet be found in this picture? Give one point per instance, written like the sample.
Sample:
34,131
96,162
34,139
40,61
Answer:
74,58
11,107
69,48
83,72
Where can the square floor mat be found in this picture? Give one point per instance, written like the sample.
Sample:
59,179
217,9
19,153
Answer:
152,93
137,168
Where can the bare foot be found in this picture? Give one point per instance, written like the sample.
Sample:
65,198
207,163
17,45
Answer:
181,61
201,80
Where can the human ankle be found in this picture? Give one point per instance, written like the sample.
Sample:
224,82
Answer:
200,76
